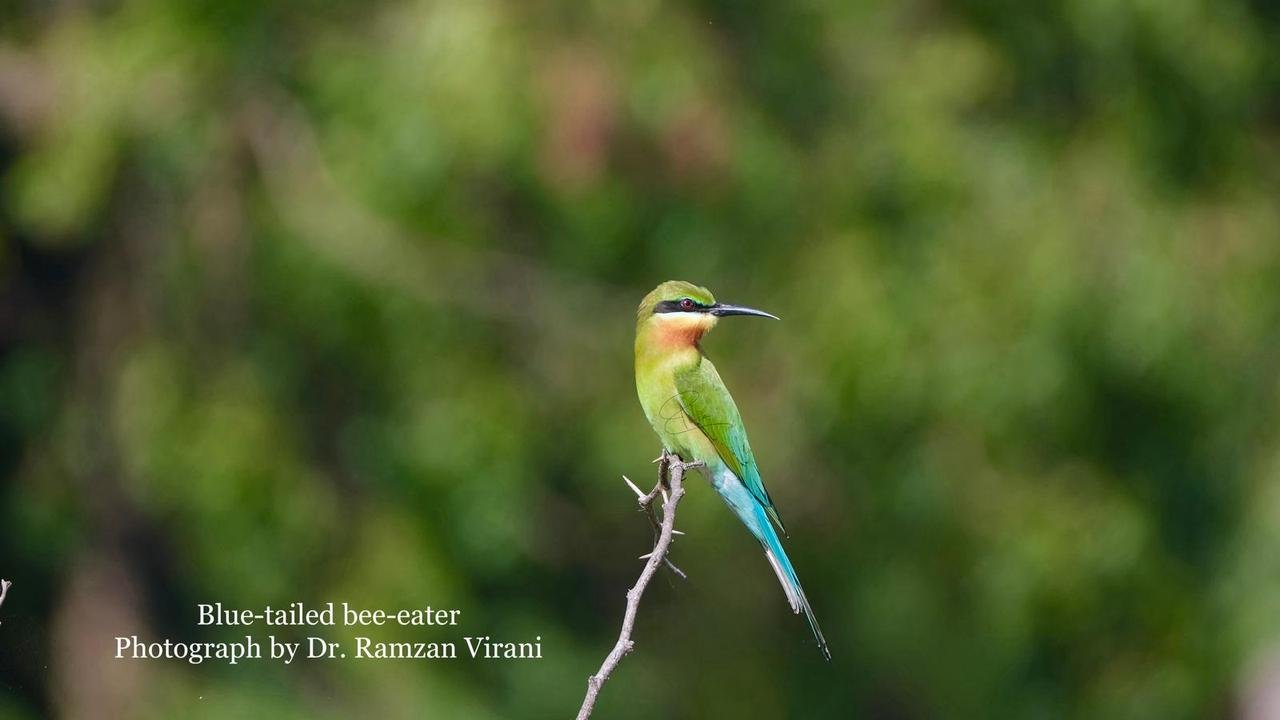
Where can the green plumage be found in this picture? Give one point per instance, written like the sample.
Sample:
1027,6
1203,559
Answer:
709,405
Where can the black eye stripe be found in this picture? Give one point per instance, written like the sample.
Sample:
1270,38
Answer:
667,306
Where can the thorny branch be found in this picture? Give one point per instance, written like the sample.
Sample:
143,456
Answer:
670,488
4,590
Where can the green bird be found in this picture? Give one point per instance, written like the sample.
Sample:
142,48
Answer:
695,417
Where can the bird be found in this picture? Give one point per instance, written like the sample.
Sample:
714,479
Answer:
695,417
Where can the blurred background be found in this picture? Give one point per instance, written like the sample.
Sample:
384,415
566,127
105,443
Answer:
305,301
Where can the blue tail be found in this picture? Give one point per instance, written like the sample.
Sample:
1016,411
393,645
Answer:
787,576
753,515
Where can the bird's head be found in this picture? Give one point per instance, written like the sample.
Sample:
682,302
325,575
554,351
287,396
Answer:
680,313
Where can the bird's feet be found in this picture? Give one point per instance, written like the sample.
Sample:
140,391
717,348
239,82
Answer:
664,467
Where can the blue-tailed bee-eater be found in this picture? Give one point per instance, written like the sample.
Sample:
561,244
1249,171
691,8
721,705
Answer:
695,417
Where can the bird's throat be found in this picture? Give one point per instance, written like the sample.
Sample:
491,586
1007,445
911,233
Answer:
679,331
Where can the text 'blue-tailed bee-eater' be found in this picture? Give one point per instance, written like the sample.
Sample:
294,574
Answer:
695,417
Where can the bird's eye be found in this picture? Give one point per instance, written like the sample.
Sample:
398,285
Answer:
686,304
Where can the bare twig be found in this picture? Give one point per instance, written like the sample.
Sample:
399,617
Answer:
4,590
670,475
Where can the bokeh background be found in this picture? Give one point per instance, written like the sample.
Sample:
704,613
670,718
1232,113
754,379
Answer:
313,301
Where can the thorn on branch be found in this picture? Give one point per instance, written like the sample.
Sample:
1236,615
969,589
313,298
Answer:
4,590
633,487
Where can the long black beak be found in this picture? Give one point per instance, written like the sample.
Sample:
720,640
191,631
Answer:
722,309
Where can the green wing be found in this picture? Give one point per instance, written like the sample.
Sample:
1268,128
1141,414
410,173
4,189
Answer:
709,405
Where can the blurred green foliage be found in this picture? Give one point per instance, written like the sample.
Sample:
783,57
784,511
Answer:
311,301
